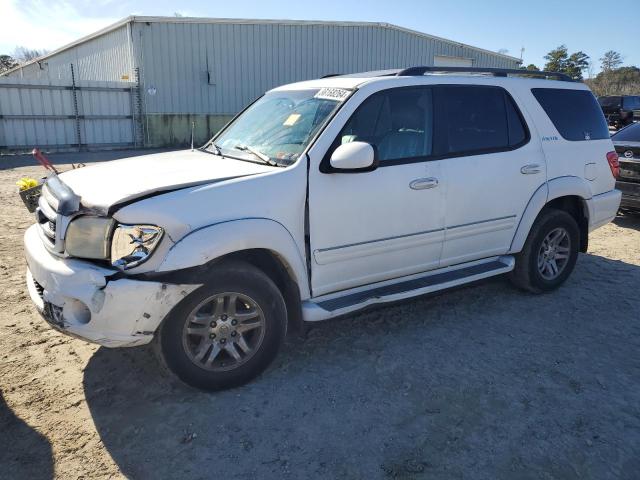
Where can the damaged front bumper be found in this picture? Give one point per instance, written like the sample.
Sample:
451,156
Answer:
81,299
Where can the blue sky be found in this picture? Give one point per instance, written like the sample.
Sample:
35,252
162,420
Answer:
592,26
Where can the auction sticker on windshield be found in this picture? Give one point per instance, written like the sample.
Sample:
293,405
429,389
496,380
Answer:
332,93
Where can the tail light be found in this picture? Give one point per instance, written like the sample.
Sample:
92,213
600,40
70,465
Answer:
614,164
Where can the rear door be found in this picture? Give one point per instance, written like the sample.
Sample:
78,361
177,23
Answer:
492,168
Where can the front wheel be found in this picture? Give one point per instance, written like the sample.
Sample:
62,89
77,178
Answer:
549,254
226,332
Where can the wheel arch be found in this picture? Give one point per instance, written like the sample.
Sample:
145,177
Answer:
575,206
569,194
276,268
263,243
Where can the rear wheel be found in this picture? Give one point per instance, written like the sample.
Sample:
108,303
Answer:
226,332
549,254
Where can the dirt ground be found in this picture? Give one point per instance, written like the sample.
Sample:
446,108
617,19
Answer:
480,382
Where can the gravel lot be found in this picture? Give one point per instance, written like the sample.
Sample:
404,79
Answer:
480,382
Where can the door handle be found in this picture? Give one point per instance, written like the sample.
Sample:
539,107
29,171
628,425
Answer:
531,168
423,183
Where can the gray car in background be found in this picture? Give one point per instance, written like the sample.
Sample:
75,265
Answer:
627,144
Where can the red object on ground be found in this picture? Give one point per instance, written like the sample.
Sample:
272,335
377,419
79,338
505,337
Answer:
44,161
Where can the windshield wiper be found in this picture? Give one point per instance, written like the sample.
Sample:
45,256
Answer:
265,158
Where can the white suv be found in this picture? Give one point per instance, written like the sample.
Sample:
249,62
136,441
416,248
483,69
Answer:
319,199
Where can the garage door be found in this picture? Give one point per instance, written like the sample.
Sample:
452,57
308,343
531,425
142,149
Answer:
445,61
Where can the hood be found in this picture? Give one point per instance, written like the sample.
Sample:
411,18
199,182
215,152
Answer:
103,185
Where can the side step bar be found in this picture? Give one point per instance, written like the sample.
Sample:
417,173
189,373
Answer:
336,304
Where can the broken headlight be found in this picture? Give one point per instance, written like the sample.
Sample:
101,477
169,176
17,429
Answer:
88,237
133,244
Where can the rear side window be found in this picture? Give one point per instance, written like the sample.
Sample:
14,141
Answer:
576,114
476,119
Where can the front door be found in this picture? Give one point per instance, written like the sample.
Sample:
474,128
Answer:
372,226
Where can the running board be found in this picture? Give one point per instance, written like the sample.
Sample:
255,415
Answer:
341,303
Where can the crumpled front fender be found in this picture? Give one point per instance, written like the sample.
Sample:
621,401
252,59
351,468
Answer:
208,243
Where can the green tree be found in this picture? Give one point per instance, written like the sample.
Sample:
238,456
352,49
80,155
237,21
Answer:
7,63
556,59
577,63
559,60
531,68
610,60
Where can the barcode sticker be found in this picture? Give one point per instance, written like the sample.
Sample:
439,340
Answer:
332,93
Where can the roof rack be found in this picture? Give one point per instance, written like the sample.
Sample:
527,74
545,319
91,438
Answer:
496,72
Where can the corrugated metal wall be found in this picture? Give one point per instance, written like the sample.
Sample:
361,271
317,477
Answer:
49,114
104,58
217,68
197,73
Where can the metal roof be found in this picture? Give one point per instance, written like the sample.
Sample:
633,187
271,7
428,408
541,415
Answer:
246,21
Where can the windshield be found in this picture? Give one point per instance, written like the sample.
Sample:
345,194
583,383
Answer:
278,127
628,134
612,102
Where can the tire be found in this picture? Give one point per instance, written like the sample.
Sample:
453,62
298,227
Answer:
201,359
527,273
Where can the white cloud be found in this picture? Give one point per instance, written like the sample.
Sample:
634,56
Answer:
49,24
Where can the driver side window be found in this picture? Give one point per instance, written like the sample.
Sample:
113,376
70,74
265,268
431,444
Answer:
397,122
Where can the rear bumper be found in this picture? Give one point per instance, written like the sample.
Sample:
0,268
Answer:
79,298
630,194
603,208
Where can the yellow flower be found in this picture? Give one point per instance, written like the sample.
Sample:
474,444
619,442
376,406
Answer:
26,183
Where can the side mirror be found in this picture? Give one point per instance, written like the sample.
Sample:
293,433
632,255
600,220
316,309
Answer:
354,157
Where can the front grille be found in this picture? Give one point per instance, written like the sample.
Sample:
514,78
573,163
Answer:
39,288
47,219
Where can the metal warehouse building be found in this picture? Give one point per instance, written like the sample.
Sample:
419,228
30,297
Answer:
166,72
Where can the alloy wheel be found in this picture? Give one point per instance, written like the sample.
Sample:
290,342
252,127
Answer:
554,253
224,331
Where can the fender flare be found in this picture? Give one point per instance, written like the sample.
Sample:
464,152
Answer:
555,188
205,244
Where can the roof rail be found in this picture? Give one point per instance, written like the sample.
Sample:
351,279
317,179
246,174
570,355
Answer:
496,72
